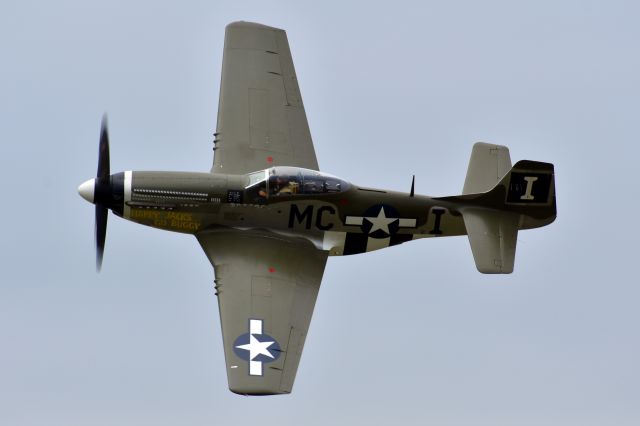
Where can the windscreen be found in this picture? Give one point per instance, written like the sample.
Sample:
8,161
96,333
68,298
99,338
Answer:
256,189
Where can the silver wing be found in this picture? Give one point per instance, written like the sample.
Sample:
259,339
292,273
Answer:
266,284
261,118
267,287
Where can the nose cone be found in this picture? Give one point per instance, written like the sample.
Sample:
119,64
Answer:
87,190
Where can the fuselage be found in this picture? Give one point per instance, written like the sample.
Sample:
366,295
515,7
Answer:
335,215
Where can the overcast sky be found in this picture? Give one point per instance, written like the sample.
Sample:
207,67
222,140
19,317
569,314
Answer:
408,335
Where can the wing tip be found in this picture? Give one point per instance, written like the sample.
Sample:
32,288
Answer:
247,24
251,391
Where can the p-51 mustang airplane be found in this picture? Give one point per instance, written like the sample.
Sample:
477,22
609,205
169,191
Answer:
267,218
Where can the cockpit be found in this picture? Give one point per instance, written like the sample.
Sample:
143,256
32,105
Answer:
290,181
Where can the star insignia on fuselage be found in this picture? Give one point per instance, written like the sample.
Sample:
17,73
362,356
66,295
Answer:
380,221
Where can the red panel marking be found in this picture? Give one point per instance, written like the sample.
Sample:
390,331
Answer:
270,159
344,201
272,269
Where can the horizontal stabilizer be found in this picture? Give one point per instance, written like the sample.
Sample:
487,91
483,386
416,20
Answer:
487,165
498,200
492,235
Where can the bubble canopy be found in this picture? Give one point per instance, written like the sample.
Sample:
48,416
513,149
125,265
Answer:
290,181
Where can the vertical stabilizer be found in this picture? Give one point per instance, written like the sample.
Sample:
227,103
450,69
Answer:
499,200
488,164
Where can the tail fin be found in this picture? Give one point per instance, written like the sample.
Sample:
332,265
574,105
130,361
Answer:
528,189
499,200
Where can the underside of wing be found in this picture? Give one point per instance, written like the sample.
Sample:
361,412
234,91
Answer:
261,118
267,287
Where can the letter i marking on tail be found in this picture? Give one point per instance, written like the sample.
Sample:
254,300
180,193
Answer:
527,193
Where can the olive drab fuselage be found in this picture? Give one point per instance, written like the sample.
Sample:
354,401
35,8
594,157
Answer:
335,215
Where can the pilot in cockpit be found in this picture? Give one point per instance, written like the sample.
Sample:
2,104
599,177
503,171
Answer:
285,185
262,191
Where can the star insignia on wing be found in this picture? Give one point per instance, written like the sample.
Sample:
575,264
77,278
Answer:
256,347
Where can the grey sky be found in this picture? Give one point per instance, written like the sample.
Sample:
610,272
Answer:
408,335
